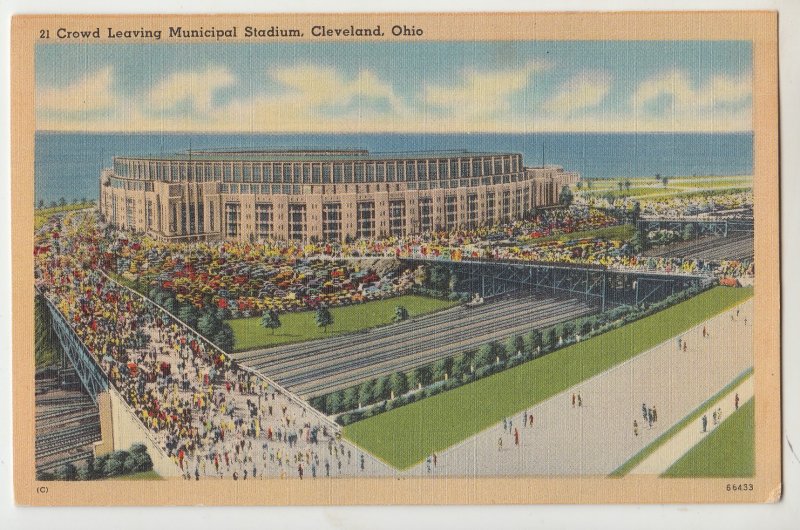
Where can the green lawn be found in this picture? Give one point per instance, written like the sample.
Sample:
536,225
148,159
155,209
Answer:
634,461
634,192
726,452
621,233
407,435
41,215
296,327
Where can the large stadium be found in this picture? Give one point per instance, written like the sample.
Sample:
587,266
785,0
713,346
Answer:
320,195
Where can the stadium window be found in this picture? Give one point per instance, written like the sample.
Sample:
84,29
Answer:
332,221
264,220
297,222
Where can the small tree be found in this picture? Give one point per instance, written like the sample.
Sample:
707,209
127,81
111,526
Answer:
400,313
552,338
689,232
189,314
333,403
350,398
419,376
271,320
398,384
567,330
208,325
664,181
441,368
565,197
41,203
224,338
533,341
627,185
381,389
365,392
323,318
461,364
62,201
485,356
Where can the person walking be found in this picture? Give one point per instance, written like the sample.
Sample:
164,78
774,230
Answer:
530,421
516,437
650,418
644,412
684,347
736,401
525,419
680,343
635,428
704,421
714,417
573,401
580,401
655,415
500,444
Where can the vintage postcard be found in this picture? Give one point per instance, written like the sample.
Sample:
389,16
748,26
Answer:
396,259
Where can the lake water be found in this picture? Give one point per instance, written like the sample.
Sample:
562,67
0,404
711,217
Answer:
68,164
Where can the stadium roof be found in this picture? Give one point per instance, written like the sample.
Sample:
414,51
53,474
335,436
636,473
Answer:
308,155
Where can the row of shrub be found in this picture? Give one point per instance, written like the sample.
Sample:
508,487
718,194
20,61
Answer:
115,464
401,388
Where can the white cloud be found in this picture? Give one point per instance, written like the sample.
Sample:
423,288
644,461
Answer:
311,98
584,90
482,92
93,92
719,89
196,88
314,86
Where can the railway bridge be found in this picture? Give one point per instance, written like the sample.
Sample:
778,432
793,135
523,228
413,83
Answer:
704,226
598,285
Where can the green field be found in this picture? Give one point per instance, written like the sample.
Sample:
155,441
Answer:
725,452
635,192
407,435
620,233
296,327
41,215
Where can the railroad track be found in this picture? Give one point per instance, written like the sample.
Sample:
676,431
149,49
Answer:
331,364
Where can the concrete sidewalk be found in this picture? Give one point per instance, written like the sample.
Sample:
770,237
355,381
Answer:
598,437
683,441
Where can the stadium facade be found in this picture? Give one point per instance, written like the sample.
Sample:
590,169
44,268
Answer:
323,195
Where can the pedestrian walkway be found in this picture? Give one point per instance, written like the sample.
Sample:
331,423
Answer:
596,436
683,441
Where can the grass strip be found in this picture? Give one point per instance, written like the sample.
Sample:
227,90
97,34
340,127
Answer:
693,416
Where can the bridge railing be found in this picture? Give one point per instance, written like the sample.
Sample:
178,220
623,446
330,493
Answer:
90,373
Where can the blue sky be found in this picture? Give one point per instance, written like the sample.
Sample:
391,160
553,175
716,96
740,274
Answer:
530,86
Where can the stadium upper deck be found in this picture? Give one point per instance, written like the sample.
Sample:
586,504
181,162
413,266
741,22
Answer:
320,194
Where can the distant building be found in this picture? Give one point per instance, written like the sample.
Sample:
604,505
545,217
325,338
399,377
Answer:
320,195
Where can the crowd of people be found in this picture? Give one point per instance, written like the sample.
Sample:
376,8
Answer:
249,278
211,417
